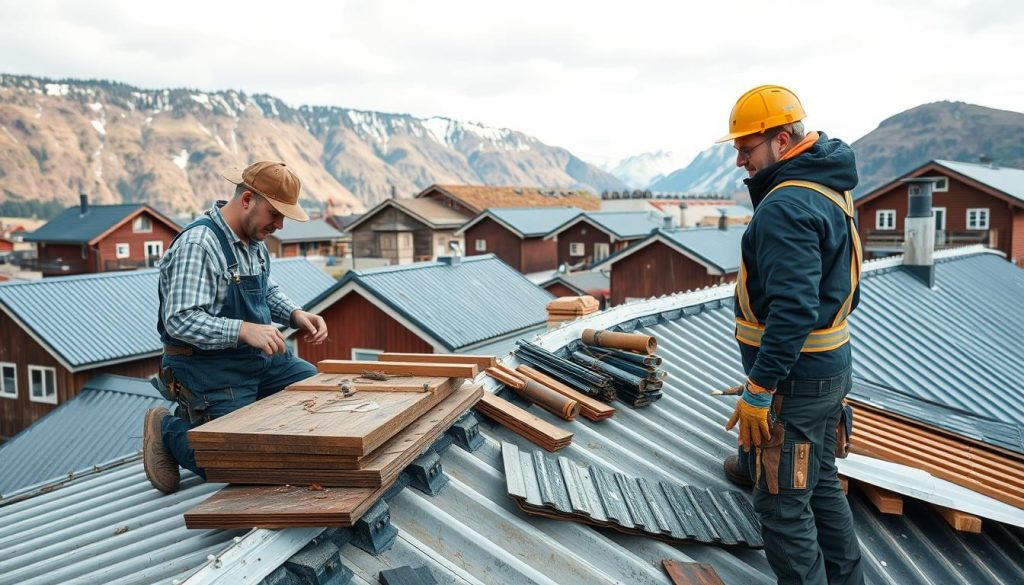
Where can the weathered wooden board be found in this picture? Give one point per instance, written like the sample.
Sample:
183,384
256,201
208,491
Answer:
397,368
481,361
523,423
316,422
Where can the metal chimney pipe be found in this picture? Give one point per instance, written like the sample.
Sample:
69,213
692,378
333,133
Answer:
723,221
83,202
919,227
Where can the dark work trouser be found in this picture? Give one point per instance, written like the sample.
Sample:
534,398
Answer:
807,526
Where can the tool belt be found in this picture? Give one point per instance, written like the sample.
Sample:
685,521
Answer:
172,389
819,340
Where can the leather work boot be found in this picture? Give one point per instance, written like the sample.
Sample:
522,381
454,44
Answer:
735,472
161,468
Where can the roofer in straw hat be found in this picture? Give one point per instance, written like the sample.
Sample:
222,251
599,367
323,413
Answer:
218,309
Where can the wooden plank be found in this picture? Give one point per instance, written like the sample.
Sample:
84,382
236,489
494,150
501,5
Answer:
310,422
482,361
886,501
960,521
398,368
691,573
381,467
355,382
505,378
282,507
523,423
590,407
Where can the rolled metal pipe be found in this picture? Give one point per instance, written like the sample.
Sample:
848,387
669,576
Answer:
645,344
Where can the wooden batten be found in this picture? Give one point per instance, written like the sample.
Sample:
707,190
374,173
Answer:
960,521
526,425
447,370
885,501
481,361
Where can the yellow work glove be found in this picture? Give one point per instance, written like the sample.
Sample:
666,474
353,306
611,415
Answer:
752,414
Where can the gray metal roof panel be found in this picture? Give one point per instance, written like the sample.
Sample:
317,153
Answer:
1007,180
101,424
627,224
533,221
71,226
583,281
719,248
478,298
958,344
94,318
313,230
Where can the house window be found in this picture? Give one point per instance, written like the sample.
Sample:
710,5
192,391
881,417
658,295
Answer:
8,380
600,251
977,219
43,384
122,250
940,218
480,245
363,354
941,184
885,219
142,224
576,249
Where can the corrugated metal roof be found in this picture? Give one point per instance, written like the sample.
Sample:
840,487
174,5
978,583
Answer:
476,299
95,318
111,527
627,224
583,281
313,230
473,532
101,424
960,344
71,226
1007,180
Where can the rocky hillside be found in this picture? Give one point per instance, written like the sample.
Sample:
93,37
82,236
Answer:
167,147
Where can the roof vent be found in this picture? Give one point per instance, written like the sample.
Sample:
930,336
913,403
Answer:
83,201
919,225
723,220
449,260
667,222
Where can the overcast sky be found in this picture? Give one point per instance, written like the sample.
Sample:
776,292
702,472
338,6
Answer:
604,79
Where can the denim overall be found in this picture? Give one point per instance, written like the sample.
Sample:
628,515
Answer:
225,380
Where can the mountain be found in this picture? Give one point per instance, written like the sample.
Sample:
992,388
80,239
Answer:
119,143
712,171
641,170
940,130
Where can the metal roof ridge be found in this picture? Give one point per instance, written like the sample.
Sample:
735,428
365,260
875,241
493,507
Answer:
418,265
49,485
881,264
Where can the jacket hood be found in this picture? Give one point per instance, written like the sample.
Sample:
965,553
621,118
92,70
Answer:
830,162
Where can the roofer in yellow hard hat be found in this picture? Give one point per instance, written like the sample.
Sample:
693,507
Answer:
219,316
798,282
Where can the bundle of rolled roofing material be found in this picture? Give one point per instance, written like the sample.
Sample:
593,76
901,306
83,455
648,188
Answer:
536,392
583,379
628,360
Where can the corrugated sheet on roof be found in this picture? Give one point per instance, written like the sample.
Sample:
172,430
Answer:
436,214
476,299
583,281
960,344
627,224
94,318
314,230
717,247
101,424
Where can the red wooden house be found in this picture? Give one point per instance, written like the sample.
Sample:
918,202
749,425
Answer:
591,237
102,238
972,204
517,236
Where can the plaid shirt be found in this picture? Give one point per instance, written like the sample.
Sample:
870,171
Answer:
194,281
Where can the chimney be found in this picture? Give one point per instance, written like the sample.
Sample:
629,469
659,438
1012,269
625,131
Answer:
83,202
449,260
723,220
919,240
667,222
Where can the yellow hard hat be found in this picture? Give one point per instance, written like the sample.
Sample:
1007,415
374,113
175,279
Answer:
761,108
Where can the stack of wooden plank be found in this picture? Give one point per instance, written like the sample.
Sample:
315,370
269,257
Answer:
988,470
565,309
523,423
628,359
347,433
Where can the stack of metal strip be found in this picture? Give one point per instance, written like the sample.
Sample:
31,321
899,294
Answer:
568,490
583,379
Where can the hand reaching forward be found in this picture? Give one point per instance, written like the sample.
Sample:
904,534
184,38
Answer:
314,326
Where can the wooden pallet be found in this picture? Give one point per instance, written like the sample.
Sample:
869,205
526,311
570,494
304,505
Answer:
523,423
282,507
308,422
379,468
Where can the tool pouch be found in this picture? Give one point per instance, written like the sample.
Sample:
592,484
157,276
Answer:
844,430
770,454
190,407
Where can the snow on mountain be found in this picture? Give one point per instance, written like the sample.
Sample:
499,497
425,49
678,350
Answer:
712,171
641,170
